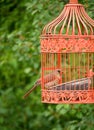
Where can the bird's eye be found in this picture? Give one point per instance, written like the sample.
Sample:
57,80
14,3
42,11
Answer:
59,71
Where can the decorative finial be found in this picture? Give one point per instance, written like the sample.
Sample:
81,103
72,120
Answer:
73,1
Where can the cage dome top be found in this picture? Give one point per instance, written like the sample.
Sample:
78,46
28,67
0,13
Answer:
73,20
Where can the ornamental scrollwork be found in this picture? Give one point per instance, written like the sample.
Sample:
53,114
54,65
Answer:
67,45
68,96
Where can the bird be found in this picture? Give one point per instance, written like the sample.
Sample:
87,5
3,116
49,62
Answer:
49,78
90,73
52,84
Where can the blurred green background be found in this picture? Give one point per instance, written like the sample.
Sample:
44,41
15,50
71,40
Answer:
21,23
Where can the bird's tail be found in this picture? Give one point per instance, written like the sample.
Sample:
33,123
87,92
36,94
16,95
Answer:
30,91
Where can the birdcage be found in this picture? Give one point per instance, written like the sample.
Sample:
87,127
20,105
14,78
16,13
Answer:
67,57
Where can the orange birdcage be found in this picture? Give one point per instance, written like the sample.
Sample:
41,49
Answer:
67,57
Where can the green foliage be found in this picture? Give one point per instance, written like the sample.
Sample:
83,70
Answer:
21,23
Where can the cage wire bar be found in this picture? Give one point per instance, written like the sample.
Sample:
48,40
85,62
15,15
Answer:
67,57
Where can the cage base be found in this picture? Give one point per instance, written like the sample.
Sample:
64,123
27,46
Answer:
68,96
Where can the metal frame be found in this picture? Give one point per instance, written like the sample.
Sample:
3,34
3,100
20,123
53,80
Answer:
68,37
